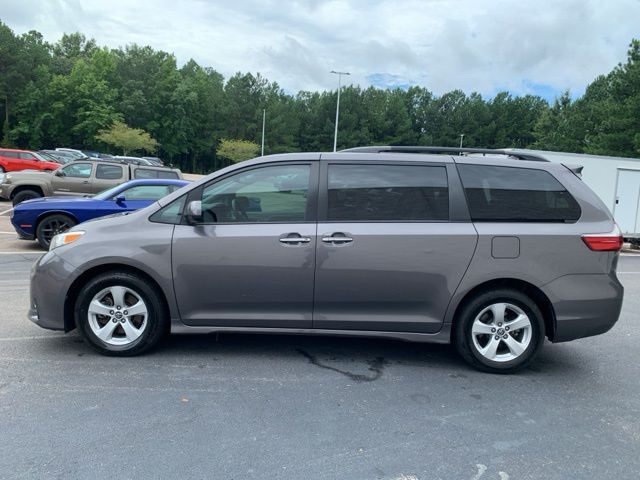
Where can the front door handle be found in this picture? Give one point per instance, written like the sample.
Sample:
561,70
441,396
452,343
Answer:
337,238
294,239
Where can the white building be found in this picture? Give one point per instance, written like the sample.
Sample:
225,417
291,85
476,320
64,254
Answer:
616,180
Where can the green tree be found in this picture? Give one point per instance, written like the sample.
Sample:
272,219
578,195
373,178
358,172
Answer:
237,150
126,138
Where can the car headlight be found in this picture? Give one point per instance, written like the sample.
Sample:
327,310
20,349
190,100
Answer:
65,239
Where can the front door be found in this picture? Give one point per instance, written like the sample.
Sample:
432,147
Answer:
250,261
388,258
72,179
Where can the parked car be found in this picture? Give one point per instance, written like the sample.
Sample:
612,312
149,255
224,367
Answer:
80,177
133,160
50,157
60,156
42,218
154,160
489,253
72,151
12,160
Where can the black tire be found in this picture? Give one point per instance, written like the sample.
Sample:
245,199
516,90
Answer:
50,226
463,337
23,195
2,170
157,321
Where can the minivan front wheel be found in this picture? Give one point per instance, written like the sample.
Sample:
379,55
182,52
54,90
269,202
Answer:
118,314
499,331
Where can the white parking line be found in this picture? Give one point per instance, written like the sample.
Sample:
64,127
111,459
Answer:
6,211
630,273
21,253
8,233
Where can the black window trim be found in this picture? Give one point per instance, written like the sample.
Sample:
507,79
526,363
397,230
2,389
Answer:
323,200
312,193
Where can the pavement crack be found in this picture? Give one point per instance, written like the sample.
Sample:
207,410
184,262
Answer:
376,366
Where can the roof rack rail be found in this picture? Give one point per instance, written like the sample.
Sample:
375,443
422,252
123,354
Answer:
446,150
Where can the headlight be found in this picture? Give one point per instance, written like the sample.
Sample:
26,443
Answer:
64,239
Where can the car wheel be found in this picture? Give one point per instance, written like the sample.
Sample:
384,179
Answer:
25,195
499,331
2,170
120,314
51,226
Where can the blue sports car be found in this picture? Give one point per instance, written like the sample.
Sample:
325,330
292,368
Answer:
43,218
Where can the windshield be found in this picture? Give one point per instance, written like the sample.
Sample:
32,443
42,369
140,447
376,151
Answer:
108,193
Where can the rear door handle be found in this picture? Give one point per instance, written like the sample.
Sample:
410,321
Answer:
337,238
294,239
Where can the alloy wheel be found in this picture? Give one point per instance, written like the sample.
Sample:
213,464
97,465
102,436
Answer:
501,332
118,315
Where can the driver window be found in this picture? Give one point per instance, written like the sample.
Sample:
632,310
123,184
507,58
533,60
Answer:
276,194
77,170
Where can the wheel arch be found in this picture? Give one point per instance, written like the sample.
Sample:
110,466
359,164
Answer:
22,188
86,276
533,292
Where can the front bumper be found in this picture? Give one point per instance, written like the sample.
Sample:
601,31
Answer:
584,305
5,191
51,277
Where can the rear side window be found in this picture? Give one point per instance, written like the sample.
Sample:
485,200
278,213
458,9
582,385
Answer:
507,194
10,154
387,193
27,156
147,173
109,172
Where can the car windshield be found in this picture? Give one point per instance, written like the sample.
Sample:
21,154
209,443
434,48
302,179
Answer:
108,193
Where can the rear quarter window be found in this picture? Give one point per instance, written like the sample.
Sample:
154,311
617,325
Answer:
509,194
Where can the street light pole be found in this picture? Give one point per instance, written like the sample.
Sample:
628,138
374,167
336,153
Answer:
264,118
461,137
335,135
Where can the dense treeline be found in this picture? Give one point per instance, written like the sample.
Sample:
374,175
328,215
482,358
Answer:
62,94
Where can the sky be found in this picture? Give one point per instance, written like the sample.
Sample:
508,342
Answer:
523,46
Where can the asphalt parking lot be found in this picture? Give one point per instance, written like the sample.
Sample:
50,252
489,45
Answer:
286,407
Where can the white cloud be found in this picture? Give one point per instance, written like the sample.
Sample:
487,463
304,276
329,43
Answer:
474,45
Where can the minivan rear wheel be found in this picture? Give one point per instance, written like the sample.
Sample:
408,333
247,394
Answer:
499,331
119,314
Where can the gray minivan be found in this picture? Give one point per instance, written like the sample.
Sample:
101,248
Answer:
490,250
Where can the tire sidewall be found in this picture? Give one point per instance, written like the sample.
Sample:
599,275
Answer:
155,315
464,340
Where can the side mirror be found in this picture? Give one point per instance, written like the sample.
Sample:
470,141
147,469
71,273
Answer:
194,212
120,199
59,173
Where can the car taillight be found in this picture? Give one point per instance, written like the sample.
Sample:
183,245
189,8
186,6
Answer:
604,243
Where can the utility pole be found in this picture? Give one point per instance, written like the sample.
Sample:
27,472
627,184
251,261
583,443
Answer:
264,118
335,135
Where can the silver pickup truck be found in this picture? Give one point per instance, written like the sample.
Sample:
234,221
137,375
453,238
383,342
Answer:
84,177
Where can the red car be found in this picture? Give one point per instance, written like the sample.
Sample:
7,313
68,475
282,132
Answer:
12,160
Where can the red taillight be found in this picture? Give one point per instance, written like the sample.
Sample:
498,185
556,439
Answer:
604,243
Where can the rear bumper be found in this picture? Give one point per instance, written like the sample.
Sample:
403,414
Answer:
584,305
50,278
